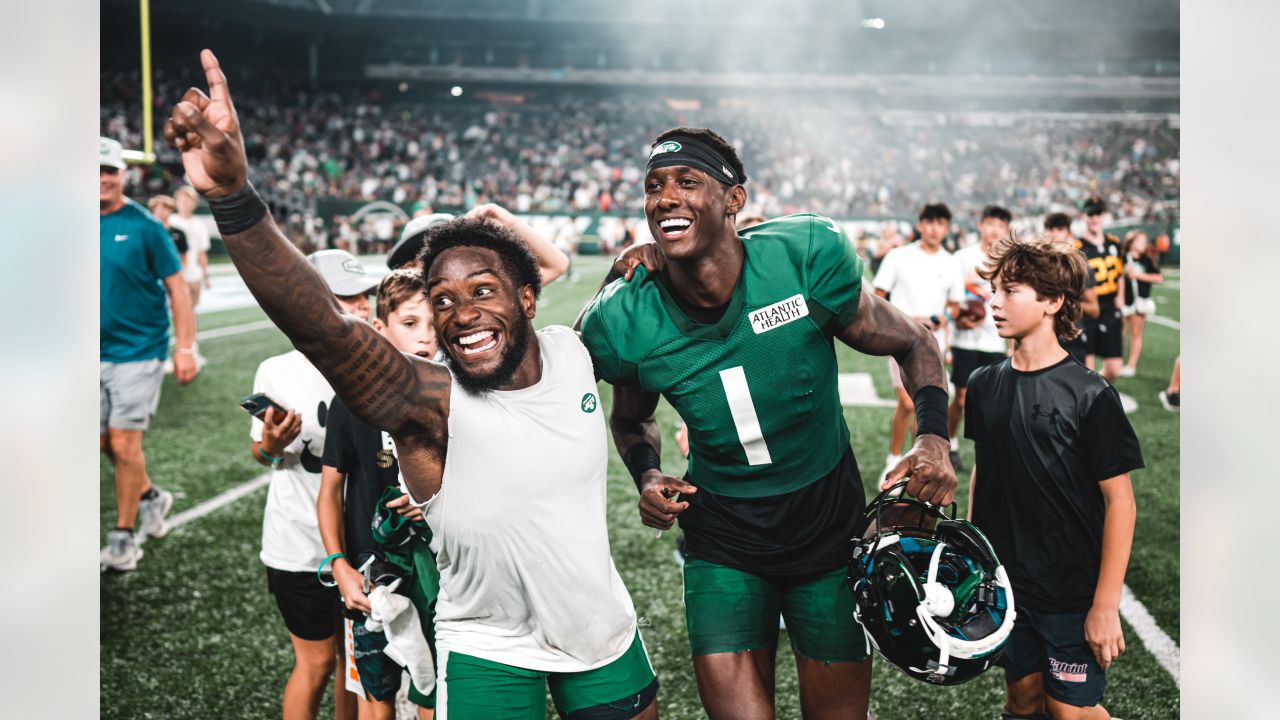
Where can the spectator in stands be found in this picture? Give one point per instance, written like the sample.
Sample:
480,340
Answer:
139,266
449,156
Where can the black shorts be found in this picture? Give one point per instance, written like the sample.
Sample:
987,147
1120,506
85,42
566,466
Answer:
964,362
1104,337
1053,644
309,609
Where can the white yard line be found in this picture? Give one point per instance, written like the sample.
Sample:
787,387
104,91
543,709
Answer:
1156,641
1159,320
218,501
234,330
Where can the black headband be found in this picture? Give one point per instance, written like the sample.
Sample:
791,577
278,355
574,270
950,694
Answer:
691,152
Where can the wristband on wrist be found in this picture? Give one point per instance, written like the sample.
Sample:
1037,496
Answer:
931,411
185,351
238,211
640,458
272,458
320,569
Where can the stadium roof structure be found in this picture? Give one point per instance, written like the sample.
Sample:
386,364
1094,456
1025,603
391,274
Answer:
1122,55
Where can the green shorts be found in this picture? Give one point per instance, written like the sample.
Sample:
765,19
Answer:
469,688
730,610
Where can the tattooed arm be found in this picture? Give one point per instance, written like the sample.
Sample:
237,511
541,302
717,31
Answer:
379,384
879,328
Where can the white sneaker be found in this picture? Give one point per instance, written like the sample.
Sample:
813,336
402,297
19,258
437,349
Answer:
1126,371
121,553
151,514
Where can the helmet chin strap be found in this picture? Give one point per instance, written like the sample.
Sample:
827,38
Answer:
938,600
935,604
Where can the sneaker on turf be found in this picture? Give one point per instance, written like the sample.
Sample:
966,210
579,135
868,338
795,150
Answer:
121,553
1170,400
1127,371
151,522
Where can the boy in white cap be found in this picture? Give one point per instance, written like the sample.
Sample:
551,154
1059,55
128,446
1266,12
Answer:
292,445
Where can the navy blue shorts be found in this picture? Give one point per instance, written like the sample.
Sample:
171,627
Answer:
1053,644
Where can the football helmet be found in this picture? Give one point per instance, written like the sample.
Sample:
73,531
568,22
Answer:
929,591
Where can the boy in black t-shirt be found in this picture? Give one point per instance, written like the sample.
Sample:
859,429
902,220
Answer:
359,464
1050,486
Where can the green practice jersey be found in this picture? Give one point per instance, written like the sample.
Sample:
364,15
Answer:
758,388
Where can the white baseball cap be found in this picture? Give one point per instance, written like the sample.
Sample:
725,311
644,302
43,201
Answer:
110,153
342,272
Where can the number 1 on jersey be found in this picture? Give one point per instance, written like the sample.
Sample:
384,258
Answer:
744,415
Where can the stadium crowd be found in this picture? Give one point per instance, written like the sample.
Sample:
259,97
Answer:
575,153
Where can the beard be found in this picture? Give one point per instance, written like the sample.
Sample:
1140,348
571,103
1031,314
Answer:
512,355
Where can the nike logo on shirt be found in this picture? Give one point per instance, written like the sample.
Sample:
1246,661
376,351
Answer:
121,238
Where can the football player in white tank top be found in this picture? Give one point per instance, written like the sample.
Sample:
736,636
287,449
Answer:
506,380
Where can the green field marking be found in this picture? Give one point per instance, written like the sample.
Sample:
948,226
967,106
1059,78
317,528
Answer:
194,634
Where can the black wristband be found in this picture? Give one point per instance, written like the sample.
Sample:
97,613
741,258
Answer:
931,411
641,457
238,211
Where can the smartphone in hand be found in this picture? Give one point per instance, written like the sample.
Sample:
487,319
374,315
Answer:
257,404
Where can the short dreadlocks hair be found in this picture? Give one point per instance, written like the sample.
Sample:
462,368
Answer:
517,259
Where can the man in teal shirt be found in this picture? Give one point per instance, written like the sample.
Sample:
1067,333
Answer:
139,266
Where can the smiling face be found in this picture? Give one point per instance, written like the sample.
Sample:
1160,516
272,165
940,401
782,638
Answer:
110,188
689,213
1018,312
482,320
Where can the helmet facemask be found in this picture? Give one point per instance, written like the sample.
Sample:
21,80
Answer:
930,592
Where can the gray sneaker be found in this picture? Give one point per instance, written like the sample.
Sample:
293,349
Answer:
121,553
151,515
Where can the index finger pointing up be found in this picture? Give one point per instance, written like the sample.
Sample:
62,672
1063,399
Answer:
213,75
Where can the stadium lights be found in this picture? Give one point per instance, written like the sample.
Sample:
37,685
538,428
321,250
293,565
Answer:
873,23
456,90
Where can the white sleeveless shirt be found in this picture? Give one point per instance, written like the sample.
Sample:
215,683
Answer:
519,532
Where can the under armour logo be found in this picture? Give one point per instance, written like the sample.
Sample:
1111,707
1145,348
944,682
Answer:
1054,416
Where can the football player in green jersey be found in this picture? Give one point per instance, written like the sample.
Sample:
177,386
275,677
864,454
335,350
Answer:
737,332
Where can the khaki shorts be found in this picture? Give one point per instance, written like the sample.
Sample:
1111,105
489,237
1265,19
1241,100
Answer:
128,394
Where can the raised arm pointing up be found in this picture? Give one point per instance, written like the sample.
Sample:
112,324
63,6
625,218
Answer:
407,397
